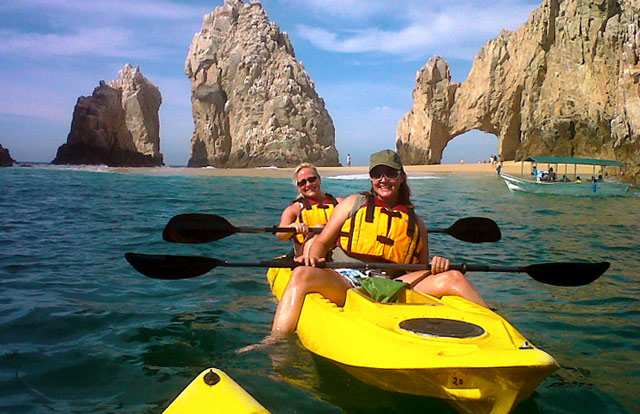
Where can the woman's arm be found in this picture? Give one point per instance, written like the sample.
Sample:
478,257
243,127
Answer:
424,235
438,264
288,218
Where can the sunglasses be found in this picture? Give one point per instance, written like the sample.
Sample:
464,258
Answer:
309,180
390,174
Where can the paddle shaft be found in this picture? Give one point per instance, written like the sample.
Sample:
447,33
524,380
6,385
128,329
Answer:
315,230
371,266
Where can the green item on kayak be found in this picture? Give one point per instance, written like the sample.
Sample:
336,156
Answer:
383,290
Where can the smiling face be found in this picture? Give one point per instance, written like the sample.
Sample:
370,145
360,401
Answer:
308,184
386,183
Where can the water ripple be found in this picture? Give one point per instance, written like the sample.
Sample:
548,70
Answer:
80,331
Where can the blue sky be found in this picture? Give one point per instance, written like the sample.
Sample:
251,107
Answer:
361,54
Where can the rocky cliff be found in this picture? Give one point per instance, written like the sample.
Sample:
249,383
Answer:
564,84
117,125
253,103
5,158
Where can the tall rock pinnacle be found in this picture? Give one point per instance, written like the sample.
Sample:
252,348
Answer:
253,103
117,125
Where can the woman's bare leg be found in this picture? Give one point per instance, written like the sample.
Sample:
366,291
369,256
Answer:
451,282
305,280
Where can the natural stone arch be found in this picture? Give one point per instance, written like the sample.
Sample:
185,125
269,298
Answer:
564,84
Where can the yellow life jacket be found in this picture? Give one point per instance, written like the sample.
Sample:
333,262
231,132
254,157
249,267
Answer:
374,231
313,213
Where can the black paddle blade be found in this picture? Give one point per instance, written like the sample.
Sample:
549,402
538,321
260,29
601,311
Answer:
160,266
475,230
566,274
197,228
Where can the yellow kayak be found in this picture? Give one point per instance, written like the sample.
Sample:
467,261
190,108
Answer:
213,391
447,348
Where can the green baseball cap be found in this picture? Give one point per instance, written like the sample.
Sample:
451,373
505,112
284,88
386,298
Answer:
385,157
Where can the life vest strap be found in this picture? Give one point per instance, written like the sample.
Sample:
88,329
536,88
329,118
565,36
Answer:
412,222
385,240
371,205
391,213
306,204
324,204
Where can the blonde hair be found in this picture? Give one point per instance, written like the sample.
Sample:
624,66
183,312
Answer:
301,166
297,170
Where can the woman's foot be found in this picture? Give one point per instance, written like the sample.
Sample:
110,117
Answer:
267,341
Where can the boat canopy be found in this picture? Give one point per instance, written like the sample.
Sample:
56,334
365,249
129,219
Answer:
569,160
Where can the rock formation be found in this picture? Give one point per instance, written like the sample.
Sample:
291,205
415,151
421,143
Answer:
566,83
253,103
424,131
5,158
117,125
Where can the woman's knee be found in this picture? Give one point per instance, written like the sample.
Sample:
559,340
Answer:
305,277
450,281
454,280
301,276
455,276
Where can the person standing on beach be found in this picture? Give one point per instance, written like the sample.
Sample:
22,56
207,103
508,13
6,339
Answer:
312,208
348,160
357,240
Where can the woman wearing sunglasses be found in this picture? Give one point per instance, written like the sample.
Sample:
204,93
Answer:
378,226
312,208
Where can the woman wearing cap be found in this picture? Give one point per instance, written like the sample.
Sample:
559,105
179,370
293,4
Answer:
312,208
379,226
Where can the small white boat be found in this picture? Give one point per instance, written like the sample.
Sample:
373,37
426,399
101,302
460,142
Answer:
546,182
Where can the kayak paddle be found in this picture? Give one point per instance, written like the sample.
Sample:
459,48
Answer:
170,267
203,228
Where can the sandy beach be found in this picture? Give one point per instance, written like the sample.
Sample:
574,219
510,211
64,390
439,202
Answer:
509,167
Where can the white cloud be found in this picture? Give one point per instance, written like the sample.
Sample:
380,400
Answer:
104,41
455,27
119,28
370,40
345,9
112,8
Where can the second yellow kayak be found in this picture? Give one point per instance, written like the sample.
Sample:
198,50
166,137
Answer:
213,391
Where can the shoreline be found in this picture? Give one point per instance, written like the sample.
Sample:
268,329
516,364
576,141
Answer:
509,167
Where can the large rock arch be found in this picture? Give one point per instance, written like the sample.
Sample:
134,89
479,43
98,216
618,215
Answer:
564,84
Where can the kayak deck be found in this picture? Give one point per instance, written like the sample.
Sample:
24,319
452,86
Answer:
447,348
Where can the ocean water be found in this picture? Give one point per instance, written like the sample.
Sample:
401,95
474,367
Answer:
82,332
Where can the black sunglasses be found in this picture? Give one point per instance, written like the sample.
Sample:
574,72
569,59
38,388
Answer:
390,173
304,181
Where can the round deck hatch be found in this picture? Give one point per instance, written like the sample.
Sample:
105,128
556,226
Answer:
443,328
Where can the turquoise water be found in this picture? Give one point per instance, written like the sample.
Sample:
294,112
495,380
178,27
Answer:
81,331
